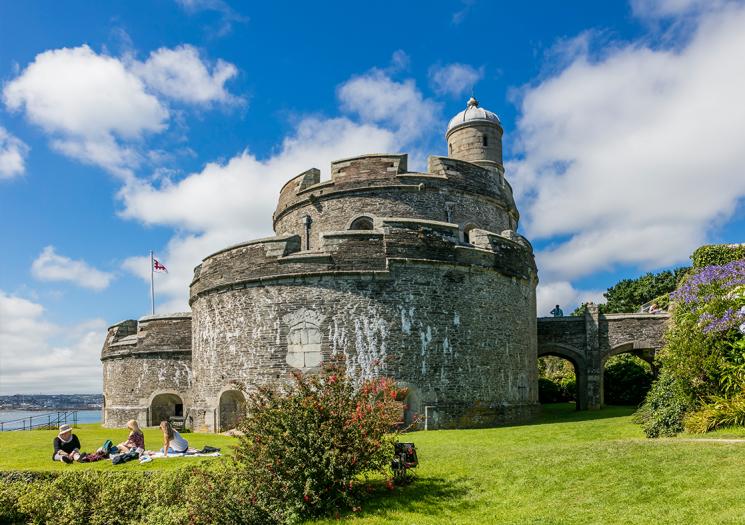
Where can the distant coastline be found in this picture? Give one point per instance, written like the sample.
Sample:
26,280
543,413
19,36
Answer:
47,402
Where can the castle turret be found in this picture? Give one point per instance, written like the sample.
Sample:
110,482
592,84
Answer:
475,135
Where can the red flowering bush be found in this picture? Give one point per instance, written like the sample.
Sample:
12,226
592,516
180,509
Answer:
307,445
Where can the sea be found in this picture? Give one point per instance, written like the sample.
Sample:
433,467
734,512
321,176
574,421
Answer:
9,419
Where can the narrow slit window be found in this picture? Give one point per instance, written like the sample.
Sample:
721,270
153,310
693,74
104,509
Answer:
485,140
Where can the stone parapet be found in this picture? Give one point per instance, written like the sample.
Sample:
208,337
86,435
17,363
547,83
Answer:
355,252
154,334
378,185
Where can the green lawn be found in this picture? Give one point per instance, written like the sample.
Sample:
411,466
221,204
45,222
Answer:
570,468
32,450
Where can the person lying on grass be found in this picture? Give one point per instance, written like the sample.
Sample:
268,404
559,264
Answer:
136,438
172,440
66,446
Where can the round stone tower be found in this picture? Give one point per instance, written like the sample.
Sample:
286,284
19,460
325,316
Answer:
416,276
475,135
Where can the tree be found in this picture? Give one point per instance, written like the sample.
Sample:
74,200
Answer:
628,295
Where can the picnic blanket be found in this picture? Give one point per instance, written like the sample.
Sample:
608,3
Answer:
190,453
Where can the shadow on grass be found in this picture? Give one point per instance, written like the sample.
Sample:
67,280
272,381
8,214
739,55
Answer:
422,495
567,413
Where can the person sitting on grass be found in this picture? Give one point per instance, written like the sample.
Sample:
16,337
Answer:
172,440
135,440
66,446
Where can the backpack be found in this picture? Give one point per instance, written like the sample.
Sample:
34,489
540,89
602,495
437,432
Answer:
123,458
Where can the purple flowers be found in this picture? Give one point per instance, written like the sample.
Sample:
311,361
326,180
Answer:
728,320
709,280
713,294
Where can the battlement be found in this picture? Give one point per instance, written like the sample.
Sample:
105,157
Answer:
357,252
152,334
385,176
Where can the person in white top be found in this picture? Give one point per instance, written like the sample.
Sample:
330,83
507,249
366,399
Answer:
172,440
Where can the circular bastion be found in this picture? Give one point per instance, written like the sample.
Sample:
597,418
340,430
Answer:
418,276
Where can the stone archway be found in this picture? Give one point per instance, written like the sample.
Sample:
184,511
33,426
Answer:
575,357
634,348
165,406
231,409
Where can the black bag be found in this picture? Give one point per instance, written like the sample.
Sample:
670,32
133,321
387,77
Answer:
123,458
407,453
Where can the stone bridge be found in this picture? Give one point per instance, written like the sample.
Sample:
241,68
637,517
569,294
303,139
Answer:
588,341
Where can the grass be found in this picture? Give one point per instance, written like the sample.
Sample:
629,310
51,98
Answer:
568,468
32,450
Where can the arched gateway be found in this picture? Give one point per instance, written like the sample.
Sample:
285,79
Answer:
588,341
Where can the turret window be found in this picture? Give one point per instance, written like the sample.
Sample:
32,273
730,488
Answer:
450,148
485,140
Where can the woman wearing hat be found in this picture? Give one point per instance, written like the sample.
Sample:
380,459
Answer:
66,445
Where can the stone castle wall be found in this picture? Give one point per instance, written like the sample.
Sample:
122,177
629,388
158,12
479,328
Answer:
142,360
455,323
439,294
378,186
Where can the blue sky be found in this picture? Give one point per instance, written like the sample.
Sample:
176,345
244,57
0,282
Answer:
170,125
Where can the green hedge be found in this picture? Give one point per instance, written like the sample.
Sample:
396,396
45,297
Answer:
717,254
210,494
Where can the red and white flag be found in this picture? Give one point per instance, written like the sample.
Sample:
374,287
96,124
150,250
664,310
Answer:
158,266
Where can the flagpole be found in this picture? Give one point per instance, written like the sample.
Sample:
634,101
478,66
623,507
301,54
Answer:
152,285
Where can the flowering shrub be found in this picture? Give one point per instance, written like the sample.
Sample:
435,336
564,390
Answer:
305,446
704,352
305,451
717,254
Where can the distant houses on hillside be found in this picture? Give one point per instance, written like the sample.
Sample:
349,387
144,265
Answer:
51,402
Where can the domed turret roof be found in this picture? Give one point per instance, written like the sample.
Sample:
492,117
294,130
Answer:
472,112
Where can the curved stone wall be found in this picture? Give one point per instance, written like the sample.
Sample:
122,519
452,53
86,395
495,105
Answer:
464,340
142,360
454,191
454,323
466,141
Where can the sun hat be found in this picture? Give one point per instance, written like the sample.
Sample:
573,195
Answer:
64,428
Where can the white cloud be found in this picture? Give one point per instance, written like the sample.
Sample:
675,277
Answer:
400,61
377,98
13,153
454,79
181,74
633,157
670,8
228,16
50,266
548,295
460,15
98,108
89,102
37,356
233,201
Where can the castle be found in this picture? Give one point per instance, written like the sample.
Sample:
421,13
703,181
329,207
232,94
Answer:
417,276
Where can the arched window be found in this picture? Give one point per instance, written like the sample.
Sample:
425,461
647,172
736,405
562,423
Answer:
361,223
485,139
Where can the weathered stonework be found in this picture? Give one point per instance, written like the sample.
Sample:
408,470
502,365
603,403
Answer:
142,360
416,276
588,341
